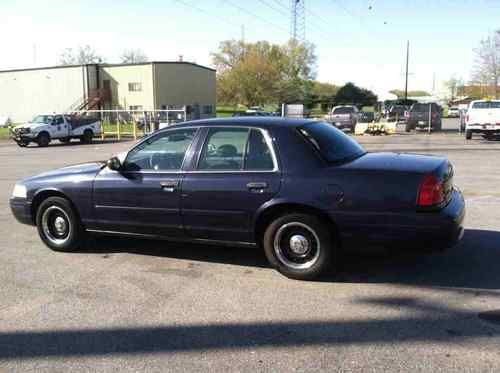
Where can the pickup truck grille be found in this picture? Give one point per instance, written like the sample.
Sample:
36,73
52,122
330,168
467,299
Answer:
20,131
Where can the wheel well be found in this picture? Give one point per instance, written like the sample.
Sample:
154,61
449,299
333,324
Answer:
42,196
44,132
273,212
88,130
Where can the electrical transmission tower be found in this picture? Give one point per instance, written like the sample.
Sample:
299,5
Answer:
298,21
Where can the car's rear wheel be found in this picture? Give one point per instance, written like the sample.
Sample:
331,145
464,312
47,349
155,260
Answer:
43,139
87,137
468,134
58,224
300,246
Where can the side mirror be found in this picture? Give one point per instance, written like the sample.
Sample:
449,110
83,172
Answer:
114,164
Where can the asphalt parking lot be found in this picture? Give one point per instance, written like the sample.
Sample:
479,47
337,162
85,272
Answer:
128,305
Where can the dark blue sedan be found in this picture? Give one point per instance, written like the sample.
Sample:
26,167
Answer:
300,189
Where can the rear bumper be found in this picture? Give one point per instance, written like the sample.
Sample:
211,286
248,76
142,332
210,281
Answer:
21,209
483,128
343,125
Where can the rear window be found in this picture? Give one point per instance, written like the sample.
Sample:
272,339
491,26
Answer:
332,144
420,108
486,105
343,110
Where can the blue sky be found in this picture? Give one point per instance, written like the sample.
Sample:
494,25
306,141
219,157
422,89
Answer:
356,40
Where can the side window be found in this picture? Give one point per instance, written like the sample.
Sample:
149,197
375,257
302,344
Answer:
59,119
224,149
164,152
258,157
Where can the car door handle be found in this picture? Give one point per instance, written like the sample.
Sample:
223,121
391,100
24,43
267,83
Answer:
256,186
169,185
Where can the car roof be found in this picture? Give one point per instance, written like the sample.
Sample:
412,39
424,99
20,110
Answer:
260,122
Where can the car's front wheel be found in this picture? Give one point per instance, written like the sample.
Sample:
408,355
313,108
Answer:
58,224
300,246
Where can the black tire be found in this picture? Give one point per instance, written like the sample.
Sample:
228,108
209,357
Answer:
310,234
43,139
87,137
408,127
58,225
468,134
65,140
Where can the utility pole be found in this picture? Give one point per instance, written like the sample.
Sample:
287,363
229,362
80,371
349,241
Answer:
407,62
34,54
298,21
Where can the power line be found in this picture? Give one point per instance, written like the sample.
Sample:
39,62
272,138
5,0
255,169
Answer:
204,12
262,19
273,8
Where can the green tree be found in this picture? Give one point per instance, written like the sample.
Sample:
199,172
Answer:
261,73
354,95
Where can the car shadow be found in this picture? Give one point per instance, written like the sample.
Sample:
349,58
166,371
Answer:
472,264
243,256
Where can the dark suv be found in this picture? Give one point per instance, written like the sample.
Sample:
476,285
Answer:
418,117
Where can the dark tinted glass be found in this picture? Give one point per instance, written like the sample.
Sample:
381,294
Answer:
481,105
259,156
343,110
334,145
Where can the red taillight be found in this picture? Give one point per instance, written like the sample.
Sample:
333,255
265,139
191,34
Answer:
431,191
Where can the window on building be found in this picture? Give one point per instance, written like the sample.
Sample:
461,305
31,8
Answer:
135,107
134,87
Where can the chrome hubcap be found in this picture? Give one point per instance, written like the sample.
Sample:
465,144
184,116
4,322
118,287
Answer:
299,244
60,225
56,225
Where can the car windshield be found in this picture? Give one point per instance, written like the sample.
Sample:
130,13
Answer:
45,119
333,145
343,110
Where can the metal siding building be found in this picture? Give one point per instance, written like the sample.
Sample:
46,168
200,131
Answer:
143,86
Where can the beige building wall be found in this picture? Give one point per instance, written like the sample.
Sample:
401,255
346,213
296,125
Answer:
179,84
26,93
119,78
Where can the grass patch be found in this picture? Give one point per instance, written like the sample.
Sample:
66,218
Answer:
4,133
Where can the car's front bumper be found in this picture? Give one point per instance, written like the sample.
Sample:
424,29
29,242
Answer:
21,209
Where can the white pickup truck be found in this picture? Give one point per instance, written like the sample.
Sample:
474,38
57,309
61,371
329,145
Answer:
483,116
44,128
